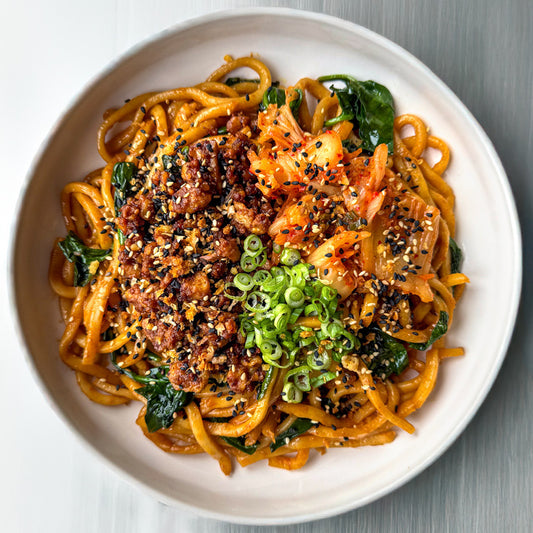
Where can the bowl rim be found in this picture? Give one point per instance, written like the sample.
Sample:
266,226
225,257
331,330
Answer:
367,34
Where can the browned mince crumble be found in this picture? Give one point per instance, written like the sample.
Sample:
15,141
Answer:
183,231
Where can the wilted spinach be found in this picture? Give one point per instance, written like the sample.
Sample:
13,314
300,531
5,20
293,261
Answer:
349,146
275,95
440,329
122,178
456,257
239,443
233,81
163,400
298,427
369,106
83,257
388,355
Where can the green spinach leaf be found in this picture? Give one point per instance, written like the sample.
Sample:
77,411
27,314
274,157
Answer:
233,81
456,257
275,95
298,427
295,103
163,400
169,162
122,178
83,258
349,146
218,419
239,443
369,106
441,327
383,355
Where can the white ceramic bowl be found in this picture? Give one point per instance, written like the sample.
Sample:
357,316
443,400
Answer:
294,44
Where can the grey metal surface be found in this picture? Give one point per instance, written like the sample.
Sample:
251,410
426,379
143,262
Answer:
484,482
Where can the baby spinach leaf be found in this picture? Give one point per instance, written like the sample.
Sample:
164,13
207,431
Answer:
275,95
83,258
299,426
295,103
239,443
123,175
369,106
218,419
456,257
163,400
233,81
168,161
441,327
348,103
383,355
349,146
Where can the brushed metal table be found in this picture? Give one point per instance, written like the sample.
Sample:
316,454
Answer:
483,51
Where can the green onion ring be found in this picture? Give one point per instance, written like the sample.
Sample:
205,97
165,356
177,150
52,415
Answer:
257,301
291,393
243,281
294,297
290,257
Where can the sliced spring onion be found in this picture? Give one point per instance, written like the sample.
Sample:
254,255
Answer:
312,309
261,260
248,263
295,315
321,379
277,283
274,299
319,360
291,393
261,277
348,341
266,382
281,315
290,257
243,281
294,297
327,294
239,297
250,340
307,340
257,301
253,244
270,349
333,329
300,377
277,271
